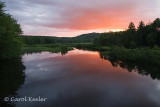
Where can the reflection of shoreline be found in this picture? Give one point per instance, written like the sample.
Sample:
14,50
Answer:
11,78
143,69
81,78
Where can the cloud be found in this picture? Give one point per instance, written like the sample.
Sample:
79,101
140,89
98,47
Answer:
83,14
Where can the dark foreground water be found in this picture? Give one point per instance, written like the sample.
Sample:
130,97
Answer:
82,79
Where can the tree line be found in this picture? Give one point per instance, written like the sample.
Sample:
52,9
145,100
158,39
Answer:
32,40
84,38
144,35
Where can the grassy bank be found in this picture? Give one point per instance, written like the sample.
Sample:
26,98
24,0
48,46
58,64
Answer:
90,46
47,47
141,55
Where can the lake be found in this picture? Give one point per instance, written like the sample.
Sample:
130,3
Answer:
83,78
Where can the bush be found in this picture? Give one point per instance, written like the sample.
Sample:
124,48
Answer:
132,45
155,47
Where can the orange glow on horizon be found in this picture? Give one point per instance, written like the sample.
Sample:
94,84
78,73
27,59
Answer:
69,18
115,30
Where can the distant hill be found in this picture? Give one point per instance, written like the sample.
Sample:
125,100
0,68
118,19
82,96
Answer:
84,38
87,37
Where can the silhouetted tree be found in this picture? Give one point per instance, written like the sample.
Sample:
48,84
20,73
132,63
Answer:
140,33
131,27
141,26
145,35
156,23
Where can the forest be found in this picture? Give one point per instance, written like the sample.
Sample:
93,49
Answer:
144,36
84,38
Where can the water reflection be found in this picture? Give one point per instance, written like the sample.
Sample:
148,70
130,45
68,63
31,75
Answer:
64,52
83,79
143,69
11,78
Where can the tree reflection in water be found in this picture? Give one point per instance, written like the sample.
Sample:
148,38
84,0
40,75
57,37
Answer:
143,69
11,78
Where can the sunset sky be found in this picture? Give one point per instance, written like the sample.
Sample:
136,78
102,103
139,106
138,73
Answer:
74,17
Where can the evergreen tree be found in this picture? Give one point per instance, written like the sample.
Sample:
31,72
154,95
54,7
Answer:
140,33
131,26
156,23
141,26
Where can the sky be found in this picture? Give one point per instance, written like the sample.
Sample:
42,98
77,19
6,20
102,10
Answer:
68,18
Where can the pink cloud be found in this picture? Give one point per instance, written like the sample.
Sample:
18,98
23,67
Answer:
80,15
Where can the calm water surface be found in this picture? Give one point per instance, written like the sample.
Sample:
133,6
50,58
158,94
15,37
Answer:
82,79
